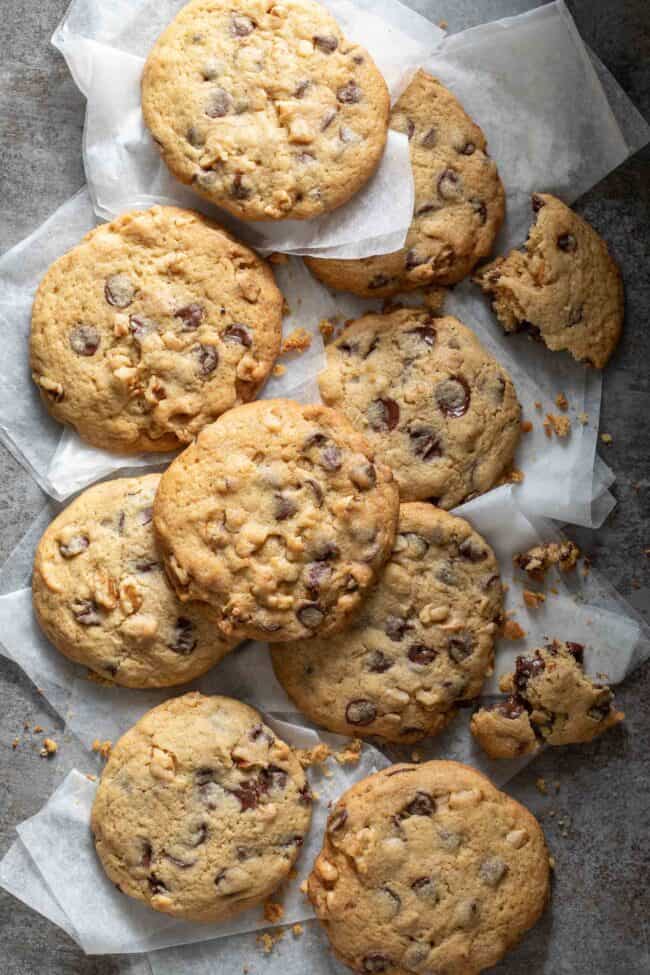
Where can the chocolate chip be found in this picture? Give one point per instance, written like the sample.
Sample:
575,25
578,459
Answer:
318,573
390,902
337,820
468,149
360,712
425,441
85,612
146,565
576,650
375,963
537,202
480,209
249,793
413,260
452,396
416,545
326,43
147,854
426,888
208,358
238,333
447,575
311,615
349,93
183,639
145,515
316,490
283,507
301,88
460,647
191,316
74,546
364,476
422,805
525,668
470,549
329,454
181,863
395,627
410,128
575,317
241,26
119,290
378,281
429,139
567,243
218,103
238,189
84,340
140,326
425,332
306,797
511,708
425,208
383,414
156,885
493,870
378,662
273,777
204,775
448,184
601,711
418,653
327,119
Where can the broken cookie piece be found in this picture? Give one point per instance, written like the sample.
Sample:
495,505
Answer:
563,287
551,700
539,559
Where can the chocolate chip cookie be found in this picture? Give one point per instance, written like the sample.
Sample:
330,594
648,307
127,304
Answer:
101,596
459,200
432,402
564,287
264,108
423,641
551,701
201,809
278,519
428,868
150,328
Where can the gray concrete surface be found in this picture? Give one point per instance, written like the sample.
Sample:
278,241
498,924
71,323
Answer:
597,923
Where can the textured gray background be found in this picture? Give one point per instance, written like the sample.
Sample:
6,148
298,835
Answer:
601,899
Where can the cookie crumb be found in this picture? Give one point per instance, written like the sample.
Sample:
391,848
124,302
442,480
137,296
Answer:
558,425
538,405
268,941
537,560
317,755
512,630
15,743
277,258
562,402
351,753
551,862
540,785
273,912
327,328
533,599
443,25
91,777
303,886
583,418
37,729
49,748
526,426
279,370
296,342
297,930
606,438
515,476
103,747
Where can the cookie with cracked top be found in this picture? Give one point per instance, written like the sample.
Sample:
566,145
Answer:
459,200
428,868
564,287
551,701
422,642
151,327
432,402
265,108
201,810
101,596
278,519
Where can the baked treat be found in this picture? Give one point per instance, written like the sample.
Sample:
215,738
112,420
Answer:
151,327
428,868
422,642
277,519
101,596
459,200
564,287
264,108
201,810
551,701
539,559
432,402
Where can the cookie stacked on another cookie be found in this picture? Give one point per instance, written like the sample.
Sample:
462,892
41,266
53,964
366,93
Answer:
459,200
265,108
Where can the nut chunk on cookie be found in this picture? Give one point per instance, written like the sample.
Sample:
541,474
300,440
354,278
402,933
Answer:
201,810
102,598
551,701
564,287
278,519
431,400
152,327
422,643
459,200
428,868
265,108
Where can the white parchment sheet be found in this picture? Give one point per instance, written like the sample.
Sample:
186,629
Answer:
105,43
56,841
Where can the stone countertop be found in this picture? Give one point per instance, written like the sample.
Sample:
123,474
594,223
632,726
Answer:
596,821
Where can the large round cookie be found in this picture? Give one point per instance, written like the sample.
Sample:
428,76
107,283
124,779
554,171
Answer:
264,108
459,200
564,287
102,598
432,402
423,640
151,327
278,519
428,868
201,810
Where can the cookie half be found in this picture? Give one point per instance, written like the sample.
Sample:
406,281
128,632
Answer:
428,868
101,596
564,287
278,519
431,401
265,108
459,200
150,328
201,809
422,642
